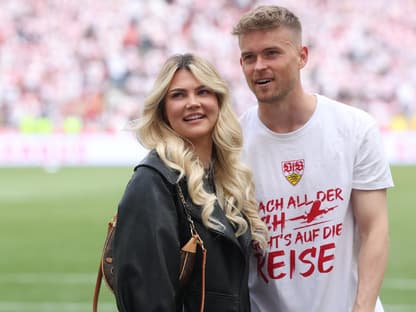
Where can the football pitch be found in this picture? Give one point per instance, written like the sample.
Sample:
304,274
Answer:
53,225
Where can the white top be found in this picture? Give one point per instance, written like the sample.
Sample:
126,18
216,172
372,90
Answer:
303,185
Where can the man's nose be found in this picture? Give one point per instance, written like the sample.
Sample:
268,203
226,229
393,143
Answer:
260,63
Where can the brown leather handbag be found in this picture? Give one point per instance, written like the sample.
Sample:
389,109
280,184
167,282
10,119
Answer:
188,252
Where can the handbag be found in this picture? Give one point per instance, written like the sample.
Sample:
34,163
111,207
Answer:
187,257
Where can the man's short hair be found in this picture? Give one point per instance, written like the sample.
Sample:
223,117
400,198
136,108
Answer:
267,17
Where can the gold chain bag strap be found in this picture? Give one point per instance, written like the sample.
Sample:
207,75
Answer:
188,253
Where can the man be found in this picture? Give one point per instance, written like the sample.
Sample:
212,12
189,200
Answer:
320,176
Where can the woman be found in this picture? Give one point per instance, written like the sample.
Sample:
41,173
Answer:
195,140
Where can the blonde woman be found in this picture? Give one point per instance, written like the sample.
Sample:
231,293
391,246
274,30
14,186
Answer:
195,141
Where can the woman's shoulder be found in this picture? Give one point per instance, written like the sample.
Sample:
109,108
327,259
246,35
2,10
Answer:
150,176
153,166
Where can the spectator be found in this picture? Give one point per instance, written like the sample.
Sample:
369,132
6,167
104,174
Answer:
66,55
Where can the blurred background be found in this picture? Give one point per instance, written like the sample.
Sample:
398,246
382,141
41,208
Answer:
68,67
72,73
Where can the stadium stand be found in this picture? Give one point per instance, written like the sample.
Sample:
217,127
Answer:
72,67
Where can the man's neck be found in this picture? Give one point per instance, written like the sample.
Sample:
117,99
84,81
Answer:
289,114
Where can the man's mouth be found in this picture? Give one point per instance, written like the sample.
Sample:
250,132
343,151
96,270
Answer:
262,81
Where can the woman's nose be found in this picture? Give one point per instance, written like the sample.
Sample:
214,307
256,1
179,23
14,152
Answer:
193,102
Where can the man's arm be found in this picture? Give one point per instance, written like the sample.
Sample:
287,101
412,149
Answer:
370,212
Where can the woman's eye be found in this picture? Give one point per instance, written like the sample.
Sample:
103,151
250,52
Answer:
176,95
204,91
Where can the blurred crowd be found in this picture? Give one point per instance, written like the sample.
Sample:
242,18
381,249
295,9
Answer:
72,65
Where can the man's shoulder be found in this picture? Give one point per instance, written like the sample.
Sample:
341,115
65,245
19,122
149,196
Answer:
248,116
249,113
343,110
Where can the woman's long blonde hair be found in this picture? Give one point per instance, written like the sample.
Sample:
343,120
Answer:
233,181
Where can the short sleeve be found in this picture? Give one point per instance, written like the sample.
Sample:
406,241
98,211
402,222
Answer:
371,168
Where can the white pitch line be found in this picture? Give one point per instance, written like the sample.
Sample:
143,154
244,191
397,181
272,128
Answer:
88,278
399,307
400,283
48,278
12,306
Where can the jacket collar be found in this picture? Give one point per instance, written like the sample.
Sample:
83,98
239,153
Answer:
227,230
153,160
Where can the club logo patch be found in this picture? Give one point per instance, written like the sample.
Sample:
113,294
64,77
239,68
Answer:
293,170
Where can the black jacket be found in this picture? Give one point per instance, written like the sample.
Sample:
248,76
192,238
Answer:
151,229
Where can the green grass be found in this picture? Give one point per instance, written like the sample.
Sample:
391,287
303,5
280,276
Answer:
400,282
53,225
51,232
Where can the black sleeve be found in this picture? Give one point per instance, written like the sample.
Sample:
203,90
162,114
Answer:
146,245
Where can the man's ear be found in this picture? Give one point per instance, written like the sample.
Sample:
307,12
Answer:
303,56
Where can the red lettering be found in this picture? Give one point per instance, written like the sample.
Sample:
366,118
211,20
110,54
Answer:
262,208
292,262
288,239
266,220
320,196
315,233
322,259
270,206
274,242
330,195
304,202
279,203
274,266
303,259
291,202
332,230
279,221
307,236
260,264
338,192
299,238
338,229
306,263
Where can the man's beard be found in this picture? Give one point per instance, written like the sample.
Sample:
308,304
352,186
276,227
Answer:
271,98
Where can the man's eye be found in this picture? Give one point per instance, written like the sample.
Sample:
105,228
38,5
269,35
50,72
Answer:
272,53
248,58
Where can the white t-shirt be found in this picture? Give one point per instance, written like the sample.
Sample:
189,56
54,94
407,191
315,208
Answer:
303,185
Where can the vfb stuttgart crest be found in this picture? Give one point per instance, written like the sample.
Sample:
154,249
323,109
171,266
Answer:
293,170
